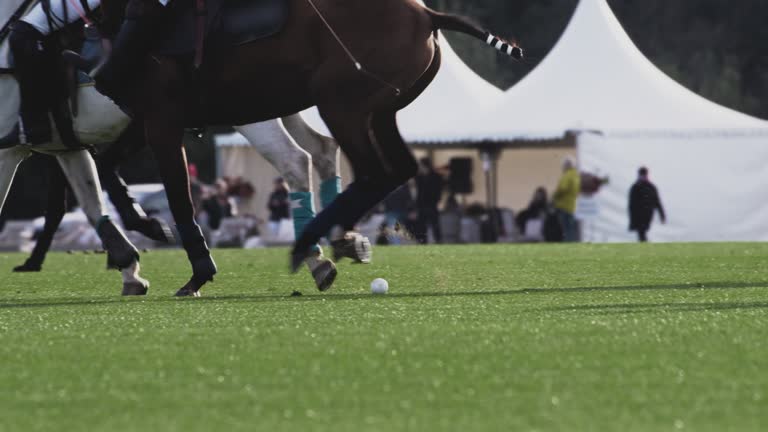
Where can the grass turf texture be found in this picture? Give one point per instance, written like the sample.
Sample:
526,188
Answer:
573,337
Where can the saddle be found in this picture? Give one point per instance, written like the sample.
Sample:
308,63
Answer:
228,23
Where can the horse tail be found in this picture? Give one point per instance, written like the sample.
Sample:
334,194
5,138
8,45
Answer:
458,23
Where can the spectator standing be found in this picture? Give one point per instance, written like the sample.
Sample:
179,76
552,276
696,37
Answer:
564,200
643,202
279,205
429,191
219,205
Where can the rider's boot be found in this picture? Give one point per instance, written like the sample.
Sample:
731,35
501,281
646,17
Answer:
31,68
118,76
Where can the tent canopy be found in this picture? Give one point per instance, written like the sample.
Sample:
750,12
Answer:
595,78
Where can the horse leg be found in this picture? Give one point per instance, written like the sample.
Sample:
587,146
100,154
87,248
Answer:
326,154
57,205
80,169
273,142
131,213
10,158
164,131
381,162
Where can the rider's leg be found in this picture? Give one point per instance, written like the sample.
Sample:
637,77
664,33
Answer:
118,76
31,71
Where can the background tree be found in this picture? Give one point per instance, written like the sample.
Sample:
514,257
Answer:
714,47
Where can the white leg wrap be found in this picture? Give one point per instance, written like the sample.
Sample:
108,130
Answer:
80,170
9,160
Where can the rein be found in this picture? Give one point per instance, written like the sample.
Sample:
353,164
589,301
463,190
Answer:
6,29
359,66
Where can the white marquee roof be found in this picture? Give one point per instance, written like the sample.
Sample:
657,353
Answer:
595,78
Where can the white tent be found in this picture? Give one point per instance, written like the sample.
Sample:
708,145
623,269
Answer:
595,78
709,162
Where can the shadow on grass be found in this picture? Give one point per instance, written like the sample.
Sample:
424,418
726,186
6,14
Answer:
264,298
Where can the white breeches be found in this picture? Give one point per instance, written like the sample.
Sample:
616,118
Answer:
63,12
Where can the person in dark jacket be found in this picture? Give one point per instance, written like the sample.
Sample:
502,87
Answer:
396,206
643,201
279,205
536,209
429,192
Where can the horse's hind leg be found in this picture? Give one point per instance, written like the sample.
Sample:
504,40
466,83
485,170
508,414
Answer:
79,168
54,212
325,154
381,162
10,158
272,141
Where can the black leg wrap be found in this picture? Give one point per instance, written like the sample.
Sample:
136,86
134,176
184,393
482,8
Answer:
203,266
30,265
120,252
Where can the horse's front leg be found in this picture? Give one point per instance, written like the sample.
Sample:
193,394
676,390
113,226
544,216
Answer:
163,113
80,170
273,142
326,154
54,213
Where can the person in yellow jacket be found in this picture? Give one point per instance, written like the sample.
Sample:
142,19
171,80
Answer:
564,200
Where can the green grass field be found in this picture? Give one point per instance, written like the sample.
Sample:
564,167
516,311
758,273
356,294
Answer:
473,338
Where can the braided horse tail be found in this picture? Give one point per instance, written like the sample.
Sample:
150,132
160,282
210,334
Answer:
457,23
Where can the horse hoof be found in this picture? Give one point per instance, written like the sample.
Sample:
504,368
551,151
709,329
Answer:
325,274
135,288
191,289
354,246
186,292
27,267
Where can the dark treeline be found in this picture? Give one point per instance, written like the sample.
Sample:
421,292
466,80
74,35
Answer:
717,48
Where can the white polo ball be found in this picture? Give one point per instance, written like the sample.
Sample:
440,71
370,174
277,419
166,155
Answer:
379,286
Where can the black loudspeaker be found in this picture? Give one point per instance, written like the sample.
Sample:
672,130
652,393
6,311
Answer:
460,181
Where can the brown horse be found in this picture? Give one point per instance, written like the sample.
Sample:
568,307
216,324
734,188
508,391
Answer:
385,55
